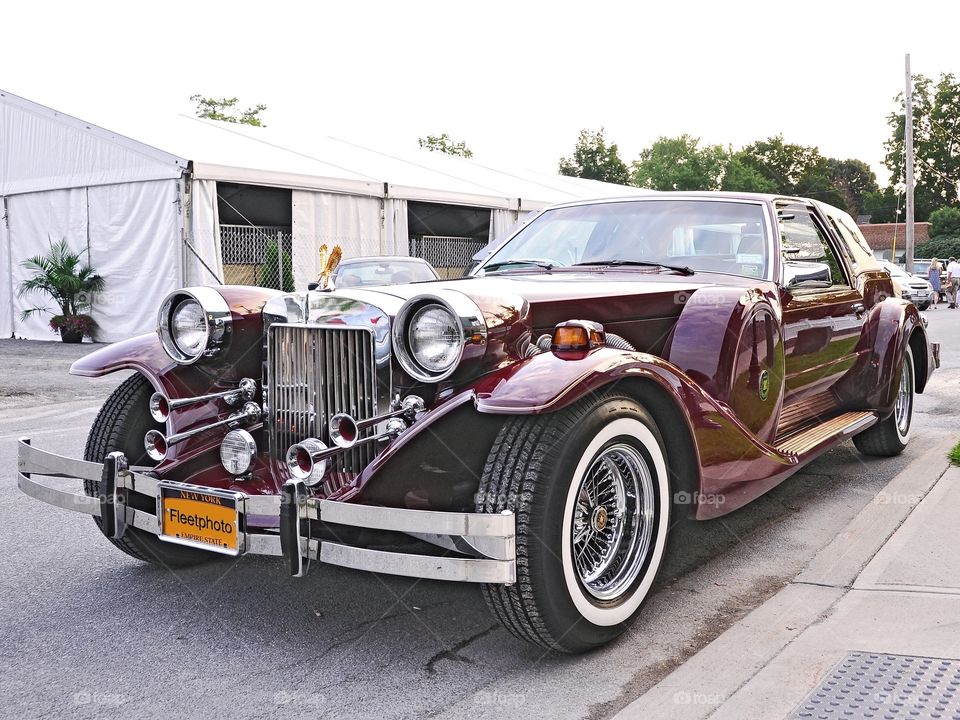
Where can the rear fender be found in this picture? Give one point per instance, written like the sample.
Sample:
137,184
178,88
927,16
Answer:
890,326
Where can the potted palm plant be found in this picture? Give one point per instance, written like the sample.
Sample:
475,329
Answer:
61,275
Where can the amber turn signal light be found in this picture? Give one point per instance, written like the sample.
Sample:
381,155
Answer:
577,336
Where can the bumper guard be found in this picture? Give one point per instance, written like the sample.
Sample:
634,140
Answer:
489,540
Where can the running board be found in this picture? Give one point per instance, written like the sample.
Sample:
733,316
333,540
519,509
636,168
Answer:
839,427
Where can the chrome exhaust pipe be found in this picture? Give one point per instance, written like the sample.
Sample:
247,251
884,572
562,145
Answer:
345,430
307,460
161,406
157,444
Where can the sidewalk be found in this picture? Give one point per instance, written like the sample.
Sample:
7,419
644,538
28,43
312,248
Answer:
889,585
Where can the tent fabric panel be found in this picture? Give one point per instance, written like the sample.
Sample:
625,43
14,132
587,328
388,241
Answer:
502,223
134,232
274,178
396,231
41,149
203,260
353,223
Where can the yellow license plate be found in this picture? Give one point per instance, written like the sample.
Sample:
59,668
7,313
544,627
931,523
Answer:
200,518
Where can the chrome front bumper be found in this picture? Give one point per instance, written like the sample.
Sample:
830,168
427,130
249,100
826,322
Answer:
487,540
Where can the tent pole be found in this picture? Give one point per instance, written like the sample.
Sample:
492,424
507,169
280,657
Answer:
6,226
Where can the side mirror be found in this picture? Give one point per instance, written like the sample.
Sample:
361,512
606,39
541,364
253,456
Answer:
804,273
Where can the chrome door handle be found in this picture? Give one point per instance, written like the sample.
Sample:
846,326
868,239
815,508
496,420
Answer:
859,309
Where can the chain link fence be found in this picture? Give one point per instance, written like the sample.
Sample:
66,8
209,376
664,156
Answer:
260,255
269,256
451,256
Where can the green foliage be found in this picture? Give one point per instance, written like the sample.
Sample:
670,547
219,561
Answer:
883,206
853,179
225,110
954,455
445,144
680,164
269,277
62,276
936,143
594,159
742,176
942,248
945,222
793,169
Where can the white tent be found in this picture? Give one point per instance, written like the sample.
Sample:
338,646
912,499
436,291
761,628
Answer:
149,220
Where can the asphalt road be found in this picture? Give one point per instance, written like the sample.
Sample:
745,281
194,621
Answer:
90,632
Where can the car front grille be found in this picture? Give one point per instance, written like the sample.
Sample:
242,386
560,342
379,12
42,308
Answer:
314,373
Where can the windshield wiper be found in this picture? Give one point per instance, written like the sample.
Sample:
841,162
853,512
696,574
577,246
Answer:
545,264
682,269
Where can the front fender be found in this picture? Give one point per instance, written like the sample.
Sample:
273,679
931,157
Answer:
734,465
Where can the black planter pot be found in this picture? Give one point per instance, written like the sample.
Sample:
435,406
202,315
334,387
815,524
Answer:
71,335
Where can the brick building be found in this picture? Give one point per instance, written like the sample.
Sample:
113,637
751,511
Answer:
881,236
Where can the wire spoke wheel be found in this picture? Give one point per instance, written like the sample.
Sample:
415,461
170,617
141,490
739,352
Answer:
613,521
904,408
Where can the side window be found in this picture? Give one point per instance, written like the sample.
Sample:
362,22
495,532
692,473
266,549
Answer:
809,260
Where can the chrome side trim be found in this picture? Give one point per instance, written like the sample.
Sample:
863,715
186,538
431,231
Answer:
421,566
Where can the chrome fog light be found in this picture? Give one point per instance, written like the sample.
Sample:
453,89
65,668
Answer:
237,451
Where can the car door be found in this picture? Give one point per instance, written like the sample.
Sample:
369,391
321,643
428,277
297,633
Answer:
822,310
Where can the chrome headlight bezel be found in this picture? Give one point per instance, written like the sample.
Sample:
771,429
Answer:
217,321
466,314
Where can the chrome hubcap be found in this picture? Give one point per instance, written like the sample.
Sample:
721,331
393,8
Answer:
904,409
613,521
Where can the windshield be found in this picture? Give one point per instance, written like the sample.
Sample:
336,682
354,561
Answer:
708,235
392,272
895,270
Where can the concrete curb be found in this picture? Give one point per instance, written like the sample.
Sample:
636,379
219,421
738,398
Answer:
700,686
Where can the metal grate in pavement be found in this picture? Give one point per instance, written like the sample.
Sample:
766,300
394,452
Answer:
885,687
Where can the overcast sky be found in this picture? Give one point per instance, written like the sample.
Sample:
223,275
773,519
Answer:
517,81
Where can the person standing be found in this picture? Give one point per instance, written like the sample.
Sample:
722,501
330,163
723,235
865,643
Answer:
933,277
953,281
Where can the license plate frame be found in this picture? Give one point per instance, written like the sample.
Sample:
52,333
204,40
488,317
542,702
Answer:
222,507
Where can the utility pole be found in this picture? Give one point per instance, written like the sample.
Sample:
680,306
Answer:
908,147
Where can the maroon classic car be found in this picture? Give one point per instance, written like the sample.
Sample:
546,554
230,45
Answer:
530,428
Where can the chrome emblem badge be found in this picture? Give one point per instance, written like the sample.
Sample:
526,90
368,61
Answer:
764,387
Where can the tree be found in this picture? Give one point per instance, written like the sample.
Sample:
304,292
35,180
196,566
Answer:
853,179
741,175
945,222
883,206
680,164
445,144
270,269
936,143
793,169
593,159
225,110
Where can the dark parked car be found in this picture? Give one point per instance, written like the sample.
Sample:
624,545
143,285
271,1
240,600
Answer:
381,270
535,425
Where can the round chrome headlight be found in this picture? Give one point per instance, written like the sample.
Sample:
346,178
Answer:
237,451
435,338
193,323
432,332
